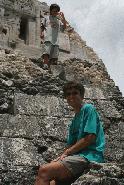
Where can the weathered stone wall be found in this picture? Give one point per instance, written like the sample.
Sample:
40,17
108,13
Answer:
17,13
19,6
33,114
23,20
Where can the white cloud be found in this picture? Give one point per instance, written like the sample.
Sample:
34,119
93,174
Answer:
101,24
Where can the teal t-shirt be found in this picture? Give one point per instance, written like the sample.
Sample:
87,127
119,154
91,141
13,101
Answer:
87,121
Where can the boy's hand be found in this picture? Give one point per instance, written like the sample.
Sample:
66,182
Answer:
60,157
62,18
55,160
61,15
63,156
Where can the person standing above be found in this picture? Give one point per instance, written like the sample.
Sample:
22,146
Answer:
85,141
52,25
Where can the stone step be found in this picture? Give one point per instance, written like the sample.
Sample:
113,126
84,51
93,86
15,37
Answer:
29,51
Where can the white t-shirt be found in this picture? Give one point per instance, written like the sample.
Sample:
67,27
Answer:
52,25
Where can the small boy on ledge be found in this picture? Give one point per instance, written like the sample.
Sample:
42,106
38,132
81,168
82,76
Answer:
52,25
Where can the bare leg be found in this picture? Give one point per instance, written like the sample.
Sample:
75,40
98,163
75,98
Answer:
51,172
40,181
52,182
46,59
53,61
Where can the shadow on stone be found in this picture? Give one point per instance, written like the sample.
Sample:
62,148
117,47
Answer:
42,149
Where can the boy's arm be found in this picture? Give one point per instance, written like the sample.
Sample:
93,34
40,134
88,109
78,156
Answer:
79,145
43,24
42,27
62,18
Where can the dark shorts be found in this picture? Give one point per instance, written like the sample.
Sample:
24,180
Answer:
75,164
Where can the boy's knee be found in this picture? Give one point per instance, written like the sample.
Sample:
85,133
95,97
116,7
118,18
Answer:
43,173
42,169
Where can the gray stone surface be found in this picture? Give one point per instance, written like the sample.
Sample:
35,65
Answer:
37,129
76,50
109,109
19,152
104,175
115,142
38,105
94,93
33,114
64,42
21,126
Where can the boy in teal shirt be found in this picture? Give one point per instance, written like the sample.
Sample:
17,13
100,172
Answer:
85,141
87,121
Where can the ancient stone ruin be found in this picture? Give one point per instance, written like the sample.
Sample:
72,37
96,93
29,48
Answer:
22,20
33,113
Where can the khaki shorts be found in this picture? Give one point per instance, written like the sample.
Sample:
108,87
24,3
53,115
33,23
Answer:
51,50
75,164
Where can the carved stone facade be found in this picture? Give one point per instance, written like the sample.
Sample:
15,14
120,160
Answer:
20,18
23,22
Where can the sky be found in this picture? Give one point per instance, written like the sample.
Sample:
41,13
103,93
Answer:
101,24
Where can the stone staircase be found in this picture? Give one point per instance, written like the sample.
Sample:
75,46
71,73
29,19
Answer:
27,50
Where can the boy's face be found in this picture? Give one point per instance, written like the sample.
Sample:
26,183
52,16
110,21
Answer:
54,12
74,98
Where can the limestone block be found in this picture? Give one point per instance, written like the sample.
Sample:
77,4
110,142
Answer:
1,11
58,70
64,56
104,174
55,127
8,3
38,30
29,51
115,150
38,105
121,132
3,40
54,150
18,151
45,7
27,7
69,74
64,42
21,126
76,50
94,93
108,109
31,126
1,151
19,175
31,36
3,122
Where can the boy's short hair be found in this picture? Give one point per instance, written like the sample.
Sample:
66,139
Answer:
52,6
73,85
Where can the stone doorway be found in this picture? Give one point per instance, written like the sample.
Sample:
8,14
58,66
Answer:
24,29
